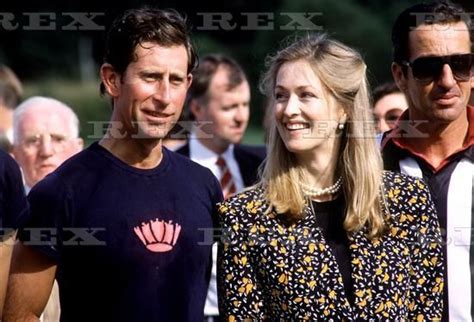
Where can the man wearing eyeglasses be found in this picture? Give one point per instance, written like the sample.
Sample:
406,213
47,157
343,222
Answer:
45,134
434,138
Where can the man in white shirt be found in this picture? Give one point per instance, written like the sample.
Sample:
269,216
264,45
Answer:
218,101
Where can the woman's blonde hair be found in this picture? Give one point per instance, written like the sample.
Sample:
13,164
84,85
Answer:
342,73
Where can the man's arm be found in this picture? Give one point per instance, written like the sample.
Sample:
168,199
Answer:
30,284
6,247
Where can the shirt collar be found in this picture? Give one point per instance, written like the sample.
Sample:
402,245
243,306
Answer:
201,154
398,137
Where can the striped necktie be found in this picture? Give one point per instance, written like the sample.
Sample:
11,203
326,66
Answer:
227,184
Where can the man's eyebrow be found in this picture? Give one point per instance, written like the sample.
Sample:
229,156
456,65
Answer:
150,72
176,73
159,73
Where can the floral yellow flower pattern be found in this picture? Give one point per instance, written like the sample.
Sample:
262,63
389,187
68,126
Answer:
272,271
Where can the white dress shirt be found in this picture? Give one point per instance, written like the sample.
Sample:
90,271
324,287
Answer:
207,158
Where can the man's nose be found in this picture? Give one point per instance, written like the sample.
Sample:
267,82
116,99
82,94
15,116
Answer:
46,146
242,113
162,92
446,79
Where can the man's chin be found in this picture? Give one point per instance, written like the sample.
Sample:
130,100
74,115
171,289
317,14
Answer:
237,140
151,133
448,114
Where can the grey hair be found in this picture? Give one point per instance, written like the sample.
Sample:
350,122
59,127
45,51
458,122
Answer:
40,100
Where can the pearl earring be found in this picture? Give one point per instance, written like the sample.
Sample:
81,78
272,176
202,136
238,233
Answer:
341,126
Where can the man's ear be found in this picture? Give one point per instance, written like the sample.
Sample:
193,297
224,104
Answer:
190,80
399,76
80,144
111,79
196,109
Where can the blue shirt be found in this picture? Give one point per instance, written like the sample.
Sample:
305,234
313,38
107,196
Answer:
130,244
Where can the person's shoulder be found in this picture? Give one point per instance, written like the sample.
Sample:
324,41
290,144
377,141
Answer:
397,180
73,170
406,197
77,163
182,160
187,166
11,181
249,202
7,163
256,151
183,150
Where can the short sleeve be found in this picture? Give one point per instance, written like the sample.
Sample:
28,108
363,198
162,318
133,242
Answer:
50,209
14,206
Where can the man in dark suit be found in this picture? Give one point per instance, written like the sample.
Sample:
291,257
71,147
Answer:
218,102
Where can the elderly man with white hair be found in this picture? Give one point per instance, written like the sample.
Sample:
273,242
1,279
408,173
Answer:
45,134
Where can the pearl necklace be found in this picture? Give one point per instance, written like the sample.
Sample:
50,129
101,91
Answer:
313,193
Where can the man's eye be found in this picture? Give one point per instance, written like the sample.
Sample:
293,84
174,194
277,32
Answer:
150,77
177,81
32,141
58,138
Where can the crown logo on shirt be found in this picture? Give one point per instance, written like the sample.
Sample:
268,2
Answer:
157,235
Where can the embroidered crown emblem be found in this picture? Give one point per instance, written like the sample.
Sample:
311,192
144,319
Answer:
157,235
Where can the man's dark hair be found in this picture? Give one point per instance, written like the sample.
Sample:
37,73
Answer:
208,67
384,90
164,27
438,12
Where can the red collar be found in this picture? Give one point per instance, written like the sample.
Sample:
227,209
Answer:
399,137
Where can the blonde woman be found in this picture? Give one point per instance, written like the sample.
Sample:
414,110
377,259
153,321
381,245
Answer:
326,235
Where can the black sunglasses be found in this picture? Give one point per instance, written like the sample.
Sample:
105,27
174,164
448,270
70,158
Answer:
427,69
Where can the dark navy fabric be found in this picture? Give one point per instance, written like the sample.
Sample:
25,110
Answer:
130,244
13,204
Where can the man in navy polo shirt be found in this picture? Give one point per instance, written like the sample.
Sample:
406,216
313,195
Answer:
122,225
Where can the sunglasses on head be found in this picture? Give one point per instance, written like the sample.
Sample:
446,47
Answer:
427,69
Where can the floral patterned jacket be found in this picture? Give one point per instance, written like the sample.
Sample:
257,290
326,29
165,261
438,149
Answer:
272,271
